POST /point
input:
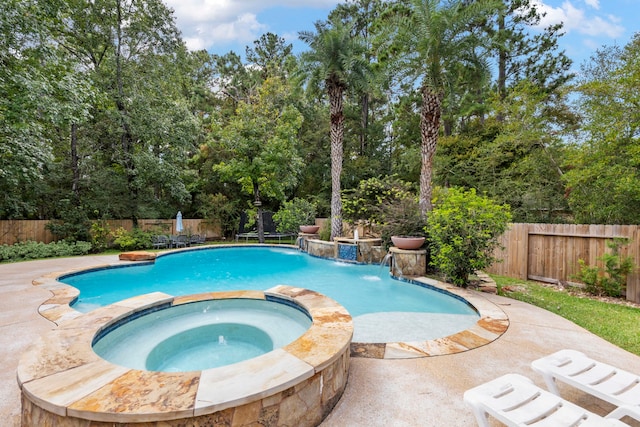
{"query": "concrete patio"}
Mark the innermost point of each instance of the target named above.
(410, 392)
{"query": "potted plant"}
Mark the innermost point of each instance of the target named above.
(408, 242)
(296, 214)
(402, 226)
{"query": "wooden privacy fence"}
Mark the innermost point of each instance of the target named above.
(12, 231)
(550, 252)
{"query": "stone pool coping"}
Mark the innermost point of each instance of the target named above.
(62, 375)
(491, 324)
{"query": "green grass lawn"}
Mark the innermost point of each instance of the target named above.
(616, 323)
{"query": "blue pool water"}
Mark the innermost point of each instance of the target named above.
(364, 290)
(202, 335)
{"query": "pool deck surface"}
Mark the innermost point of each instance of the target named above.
(380, 392)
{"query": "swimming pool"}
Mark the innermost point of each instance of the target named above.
(384, 309)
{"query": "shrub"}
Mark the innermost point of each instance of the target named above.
(294, 213)
(463, 232)
(325, 230)
(101, 237)
(217, 208)
(75, 225)
(37, 250)
(131, 240)
(612, 279)
(363, 203)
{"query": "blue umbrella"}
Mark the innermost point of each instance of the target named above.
(179, 226)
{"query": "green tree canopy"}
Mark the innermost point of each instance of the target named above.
(261, 145)
(603, 175)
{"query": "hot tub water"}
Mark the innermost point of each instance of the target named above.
(202, 335)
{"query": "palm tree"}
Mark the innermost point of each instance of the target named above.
(437, 39)
(335, 63)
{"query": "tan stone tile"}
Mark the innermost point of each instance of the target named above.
(218, 295)
(243, 382)
(469, 339)
(319, 346)
(332, 317)
(58, 313)
(246, 414)
(57, 351)
(143, 301)
(139, 396)
(368, 350)
(497, 326)
(57, 391)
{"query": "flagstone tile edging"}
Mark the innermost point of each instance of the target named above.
(64, 382)
(491, 324)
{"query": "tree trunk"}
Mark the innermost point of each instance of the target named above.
(337, 135)
(258, 204)
(429, 126)
(364, 122)
(75, 168)
(126, 138)
(502, 67)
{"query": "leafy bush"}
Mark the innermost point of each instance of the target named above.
(131, 240)
(219, 209)
(101, 237)
(325, 230)
(463, 232)
(363, 203)
(38, 250)
(612, 279)
(294, 213)
(75, 225)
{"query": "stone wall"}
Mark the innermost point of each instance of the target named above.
(65, 383)
(306, 404)
(321, 248)
(408, 263)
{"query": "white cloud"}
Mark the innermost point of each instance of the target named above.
(206, 23)
(593, 3)
(575, 19)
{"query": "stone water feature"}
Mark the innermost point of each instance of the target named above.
(402, 262)
(364, 251)
(408, 262)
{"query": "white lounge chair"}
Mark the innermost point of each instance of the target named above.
(516, 401)
(604, 381)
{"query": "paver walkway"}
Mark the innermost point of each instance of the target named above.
(390, 393)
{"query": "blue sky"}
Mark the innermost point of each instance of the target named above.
(224, 25)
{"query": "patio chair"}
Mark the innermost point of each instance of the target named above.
(517, 402)
(606, 382)
(194, 239)
(160, 242)
(180, 241)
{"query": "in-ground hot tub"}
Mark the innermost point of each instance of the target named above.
(63, 381)
(201, 334)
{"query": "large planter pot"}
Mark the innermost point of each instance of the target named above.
(309, 229)
(406, 242)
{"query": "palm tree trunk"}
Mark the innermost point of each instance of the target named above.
(429, 127)
(257, 202)
(337, 135)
